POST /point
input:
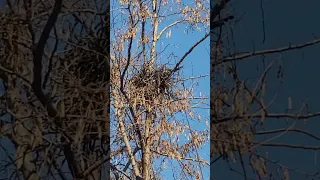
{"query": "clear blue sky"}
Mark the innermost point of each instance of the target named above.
(287, 21)
(197, 63)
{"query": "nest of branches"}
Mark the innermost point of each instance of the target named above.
(91, 64)
(151, 84)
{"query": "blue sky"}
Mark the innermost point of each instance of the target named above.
(197, 63)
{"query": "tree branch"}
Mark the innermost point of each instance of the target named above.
(288, 146)
(184, 158)
(177, 66)
(167, 27)
(268, 115)
(264, 52)
(284, 129)
(37, 60)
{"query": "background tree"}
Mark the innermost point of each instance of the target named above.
(54, 69)
(151, 107)
(256, 117)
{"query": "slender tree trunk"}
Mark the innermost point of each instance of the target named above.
(129, 150)
(146, 162)
(146, 148)
(155, 33)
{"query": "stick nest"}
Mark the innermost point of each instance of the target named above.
(88, 63)
(151, 84)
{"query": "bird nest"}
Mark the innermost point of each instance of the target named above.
(151, 84)
(88, 63)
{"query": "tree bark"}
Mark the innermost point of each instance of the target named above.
(146, 147)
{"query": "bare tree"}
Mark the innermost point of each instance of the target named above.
(241, 106)
(151, 108)
(54, 68)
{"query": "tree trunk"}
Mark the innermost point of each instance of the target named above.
(146, 148)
